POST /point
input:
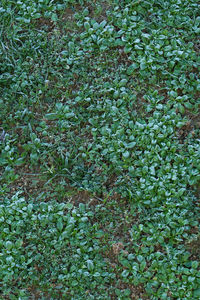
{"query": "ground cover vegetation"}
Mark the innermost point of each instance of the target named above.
(99, 149)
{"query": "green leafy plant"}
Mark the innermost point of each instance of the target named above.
(99, 101)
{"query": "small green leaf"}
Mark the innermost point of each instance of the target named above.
(9, 245)
(126, 154)
(123, 82)
(195, 264)
(19, 243)
(60, 224)
(87, 25)
(197, 293)
(132, 68)
(54, 17)
(140, 258)
(143, 265)
(125, 273)
(90, 265)
(131, 145)
(51, 116)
